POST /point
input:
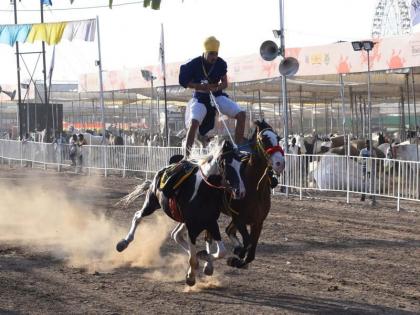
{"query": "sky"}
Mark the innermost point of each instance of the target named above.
(130, 34)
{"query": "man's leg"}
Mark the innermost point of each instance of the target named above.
(192, 130)
(233, 110)
(240, 127)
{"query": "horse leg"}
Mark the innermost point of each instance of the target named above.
(178, 236)
(231, 233)
(239, 249)
(213, 233)
(193, 261)
(150, 205)
(255, 235)
(208, 265)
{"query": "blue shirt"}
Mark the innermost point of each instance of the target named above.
(199, 70)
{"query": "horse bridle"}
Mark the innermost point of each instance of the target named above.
(267, 153)
(220, 167)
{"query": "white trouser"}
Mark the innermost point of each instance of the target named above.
(196, 110)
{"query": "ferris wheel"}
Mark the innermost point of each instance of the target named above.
(392, 17)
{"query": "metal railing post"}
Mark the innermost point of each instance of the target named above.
(125, 159)
(348, 169)
(88, 161)
(105, 160)
(45, 156)
(21, 153)
(398, 188)
(300, 176)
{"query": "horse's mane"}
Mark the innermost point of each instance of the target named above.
(204, 158)
(259, 125)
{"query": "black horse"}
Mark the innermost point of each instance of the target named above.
(197, 202)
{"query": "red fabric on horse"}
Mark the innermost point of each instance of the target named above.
(175, 212)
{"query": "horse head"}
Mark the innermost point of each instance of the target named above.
(226, 165)
(267, 143)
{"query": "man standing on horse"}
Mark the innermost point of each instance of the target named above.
(207, 74)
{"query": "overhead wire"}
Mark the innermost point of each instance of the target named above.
(77, 8)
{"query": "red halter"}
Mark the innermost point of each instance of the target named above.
(272, 150)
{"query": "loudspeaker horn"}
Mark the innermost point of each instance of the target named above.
(269, 50)
(10, 94)
(289, 66)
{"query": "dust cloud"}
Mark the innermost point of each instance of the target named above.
(59, 224)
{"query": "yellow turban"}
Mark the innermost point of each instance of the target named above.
(211, 44)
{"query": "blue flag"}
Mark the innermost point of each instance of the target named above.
(46, 2)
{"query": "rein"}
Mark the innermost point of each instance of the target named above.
(205, 178)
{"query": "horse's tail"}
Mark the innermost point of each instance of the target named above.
(137, 192)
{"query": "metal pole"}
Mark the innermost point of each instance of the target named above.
(348, 169)
(301, 110)
(370, 132)
(151, 120)
(164, 87)
(72, 113)
(415, 113)
(362, 122)
(101, 86)
(343, 109)
(259, 104)
(284, 80)
(326, 117)
(284, 91)
(45, 77)
(402, 116)
(331, 117)
(18, 74)
(408, 104)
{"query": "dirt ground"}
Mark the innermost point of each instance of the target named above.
(57, 255)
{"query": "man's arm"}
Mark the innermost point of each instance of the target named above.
(223, 84)
(202, 87)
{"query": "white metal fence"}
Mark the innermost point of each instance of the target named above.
(365, 176)
(369, 176)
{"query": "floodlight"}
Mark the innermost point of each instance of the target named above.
(147, 75)
(368, 45)
(10, 94)
(276, 33)
(357, 46)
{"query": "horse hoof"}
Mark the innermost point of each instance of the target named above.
(208, 269)
(240, 252)
(122, 245)
(237, 250)
(232, 261)
(190, 281)
(241, 264)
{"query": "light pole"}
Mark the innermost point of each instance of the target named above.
(368, 46)
(148, 76)
(288, 66)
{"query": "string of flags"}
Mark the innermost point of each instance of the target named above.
(51, 33)
(154, 4)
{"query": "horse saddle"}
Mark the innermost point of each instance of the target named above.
(174, 175)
